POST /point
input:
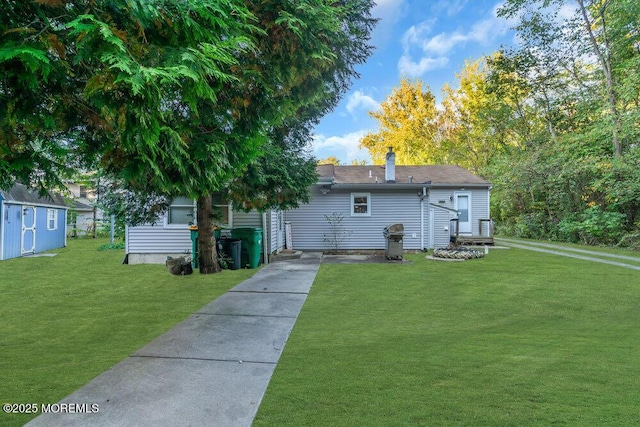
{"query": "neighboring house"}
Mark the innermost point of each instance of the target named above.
(170, 236)
(31, 223)
(368, 198)
(83, 216)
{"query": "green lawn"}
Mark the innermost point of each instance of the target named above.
(68, 318)
(516, 338)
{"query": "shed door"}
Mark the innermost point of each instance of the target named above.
(463, 206)
(28, 230)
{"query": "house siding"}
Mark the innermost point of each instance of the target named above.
(273, 241)
(247, 219)
(153, 243)
(479, 204)
(441, 226)
(310, 229)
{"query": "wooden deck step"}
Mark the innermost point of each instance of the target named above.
(474, 240)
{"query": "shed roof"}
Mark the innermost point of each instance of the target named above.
(426, 174)
(22, 194)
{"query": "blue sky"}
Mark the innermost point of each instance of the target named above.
(425, 39)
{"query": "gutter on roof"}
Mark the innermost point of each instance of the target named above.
(329, 181)
(38, 204)
(487, 185)
(398, 186)
(381, 185)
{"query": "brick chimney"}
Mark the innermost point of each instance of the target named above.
(390, 167)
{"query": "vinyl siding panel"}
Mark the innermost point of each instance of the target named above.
(159, 239)
(442, 223)
(276, 238)
(479, 210)
(11, 232)
(310, 229)
(247, 219)
(50, 239)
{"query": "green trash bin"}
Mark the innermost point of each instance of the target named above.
(193, 231)
(251, 245)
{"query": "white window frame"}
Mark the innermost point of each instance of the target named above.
(168, 224)
(353, 204)
(193, 205)
(229, 208)
(52, 215)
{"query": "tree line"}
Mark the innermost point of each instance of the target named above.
(554, 124)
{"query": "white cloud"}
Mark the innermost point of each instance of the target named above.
(410, 68)
(443, 43)
(359, 101)
(388, 13)
(450, 7)
(385, 8)
(345, 147)
(433, 51)
(416, 34)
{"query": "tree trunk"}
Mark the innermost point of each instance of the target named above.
(604, 56)
(207, 254)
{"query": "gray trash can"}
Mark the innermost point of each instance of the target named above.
(394, 235)
(230, 249)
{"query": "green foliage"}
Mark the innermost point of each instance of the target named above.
(593, 226)
(111, 246)
(574, 173)
(337, 233)
(175, 98)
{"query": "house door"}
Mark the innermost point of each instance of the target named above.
(463, 206)
(28, 241)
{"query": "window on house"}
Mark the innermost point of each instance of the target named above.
(360, 204)
(181, 211)
(52, 219)
(221, 209)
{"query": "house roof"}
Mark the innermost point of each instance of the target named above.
(22, 194)
(426, 174)
(79, 206)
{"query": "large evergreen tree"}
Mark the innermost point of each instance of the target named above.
(176, 98)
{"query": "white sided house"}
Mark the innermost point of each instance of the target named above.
(366, 199)
(350, 207)
(170, 236)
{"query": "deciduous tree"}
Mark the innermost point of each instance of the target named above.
(407, 122)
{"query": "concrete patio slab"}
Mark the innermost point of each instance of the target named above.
(155, 392)
(256, 304)
(223, 337)
(278, 281)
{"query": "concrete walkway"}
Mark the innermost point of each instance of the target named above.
(210, 370)
(584, 254)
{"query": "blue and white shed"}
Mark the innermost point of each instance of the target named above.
(31, 223)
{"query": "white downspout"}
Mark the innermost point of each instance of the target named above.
(424, 195)
(265, 245)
